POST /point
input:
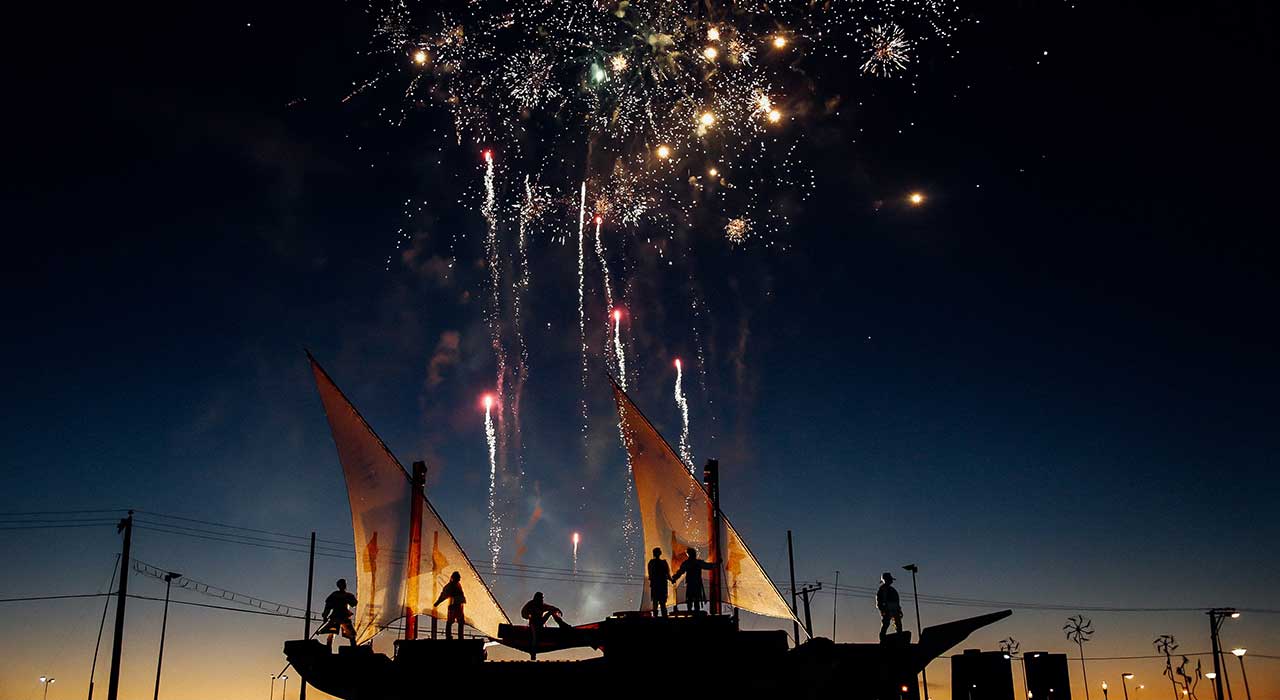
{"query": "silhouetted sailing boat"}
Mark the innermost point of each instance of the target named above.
(642, 654)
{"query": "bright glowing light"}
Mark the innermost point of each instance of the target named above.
(916, 198)
(710, 53)
(617, 315)
(707, 119)
(763, 103)
(488, 401)
(420, 57)
(618, 62)
(779, 41)
(576, 538)
(598, 74)
(1238, 651)
(488, 155)
(1235, 616)
(677, 363)
(713, 34)
(713, 172)
(599, 220)
(664, 151)
(775, 116)
(1211, 675)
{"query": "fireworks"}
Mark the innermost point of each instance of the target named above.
(916, 199)
(737, 230)
(673, 117)
(576, 540)
(889, 51)
(495, 526)
(683, 404)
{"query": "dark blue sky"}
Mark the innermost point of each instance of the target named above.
(1053, 383)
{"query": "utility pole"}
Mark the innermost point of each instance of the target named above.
(915, 590)
(306, 621)
(804, 594)
(791, 559)
(835, 604)
(122, 595)
(164, 622)
(102, 624)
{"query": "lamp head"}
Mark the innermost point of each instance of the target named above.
(1239, 651)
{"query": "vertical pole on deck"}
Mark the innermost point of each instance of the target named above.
(791, 559)
(306, 620)
(711, 481)
(415, 550)
(122, 595)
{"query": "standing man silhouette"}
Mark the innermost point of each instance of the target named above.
(453, 591)
(888, 604)
(693, 566)
(659, 579)
(337, 613)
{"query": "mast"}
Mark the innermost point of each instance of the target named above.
(711, 481)
(415, 550)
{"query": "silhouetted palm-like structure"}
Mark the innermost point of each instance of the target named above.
(1010, 646)
(1079, 630)
(1189, 681)
(1166, 644)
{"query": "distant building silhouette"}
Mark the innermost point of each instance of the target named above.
(982, 675)
(1047, 677)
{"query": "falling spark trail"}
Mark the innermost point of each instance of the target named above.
(582, 309)
(576, 539)
(683, 405)
(617, 348)
(495, 528)
(494, 263)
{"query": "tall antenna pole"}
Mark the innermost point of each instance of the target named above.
(122, 595)
(306, 621)
(415, 550)
(791, 559)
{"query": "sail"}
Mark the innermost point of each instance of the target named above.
(380, 492)
(675, 510)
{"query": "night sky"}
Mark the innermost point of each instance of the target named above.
(1051, 384)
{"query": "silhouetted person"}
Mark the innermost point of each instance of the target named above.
(537, 612)
(453, 591)
(659, 579)
(693, 566)
(888, 604)
(337, 613)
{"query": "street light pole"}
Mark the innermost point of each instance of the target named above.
(1216, 617)
(1104, 690)
(272, 695)
(284, 690)
(164, 623)
(1124, 686)
(1240, 652)
(915, 592)
(46, 681)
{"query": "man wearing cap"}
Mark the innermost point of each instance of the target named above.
(888, 604)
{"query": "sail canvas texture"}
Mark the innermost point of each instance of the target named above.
(380, 492)
(675, 515)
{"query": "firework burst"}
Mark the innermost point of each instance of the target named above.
(889, 51)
